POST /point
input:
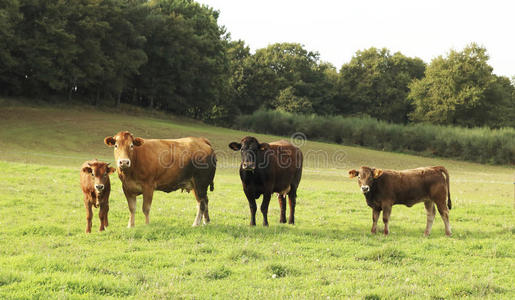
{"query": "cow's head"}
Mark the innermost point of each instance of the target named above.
(366, 177)
(124, 143)
(99, 172)
(251, 152)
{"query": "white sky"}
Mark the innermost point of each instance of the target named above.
(337, 29)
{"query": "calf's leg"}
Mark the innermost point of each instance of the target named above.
(89, 214)
(375, 217)
(387, 209)
(282, 205)
(102, 215)
(431, 212)
(444, 213)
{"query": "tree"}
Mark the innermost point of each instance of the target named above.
(460, 89)
(375, 83)
(283, 71)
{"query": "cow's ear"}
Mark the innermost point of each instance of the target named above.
(87, 170)
(110, 170)
(138, 141)
(378, 173)
(264, 146)
(110, 141)
(353, 173)
(235, 146)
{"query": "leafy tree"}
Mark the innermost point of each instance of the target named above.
(9, 18)
(375, 83)
(460, 89)
(279, 72)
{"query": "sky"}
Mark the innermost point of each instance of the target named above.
(337, 29)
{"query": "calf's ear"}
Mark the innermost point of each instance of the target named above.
(353, 173)
(378, 173)
(110, 141)
(110, 170)
(87, 170)
(235, 146)
(264, 146)
(138, 141)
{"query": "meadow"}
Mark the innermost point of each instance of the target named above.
(329, 253)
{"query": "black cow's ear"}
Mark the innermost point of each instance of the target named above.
(87, 170)
(264, 146)
(353, 173)
(235, 146)
(138, 141)
(378, 173)
(110, 141)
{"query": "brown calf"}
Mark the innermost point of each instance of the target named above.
(95, 184)
(266, 169)
(385, 188)
(146, 165)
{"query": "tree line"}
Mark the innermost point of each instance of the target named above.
(172, 55)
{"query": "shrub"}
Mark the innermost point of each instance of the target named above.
(482, 145)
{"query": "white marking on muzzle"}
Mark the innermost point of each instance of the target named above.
(124, 163)
(365, 188)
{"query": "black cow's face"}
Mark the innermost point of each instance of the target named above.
(123, 143)
(366, 177)
(250, 150)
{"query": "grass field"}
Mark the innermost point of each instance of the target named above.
(329, 253)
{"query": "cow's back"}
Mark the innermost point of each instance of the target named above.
(287, 166)
(169, 164)
(410, 186)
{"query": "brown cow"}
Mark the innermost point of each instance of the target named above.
(267, 169)
(95, 184)
(385, 188)
(145, 165)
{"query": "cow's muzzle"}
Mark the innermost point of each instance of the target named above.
(248, 166)
(99, 187)
(365, 189)
(124, 163)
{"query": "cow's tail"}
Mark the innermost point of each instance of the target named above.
(212, 186)
(444, 171)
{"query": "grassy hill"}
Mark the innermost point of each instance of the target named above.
(329, 253)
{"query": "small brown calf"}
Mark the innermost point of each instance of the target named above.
(95, 184)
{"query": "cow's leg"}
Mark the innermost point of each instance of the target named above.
(89, 214)
(131, 202)
(430, 210)
(102, 215)
(251, 197)
(253, 209)
(201, 206)
(206, 219)
(292, 199)
(375, 217)
(444, 213)
(387, 209)
(282, 205)
(264, 207)
(148, 193)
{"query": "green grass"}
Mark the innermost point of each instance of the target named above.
(329, 253)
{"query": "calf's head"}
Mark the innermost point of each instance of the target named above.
(252, 152)
(366, 177)
(99, 172)
(124, 143)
